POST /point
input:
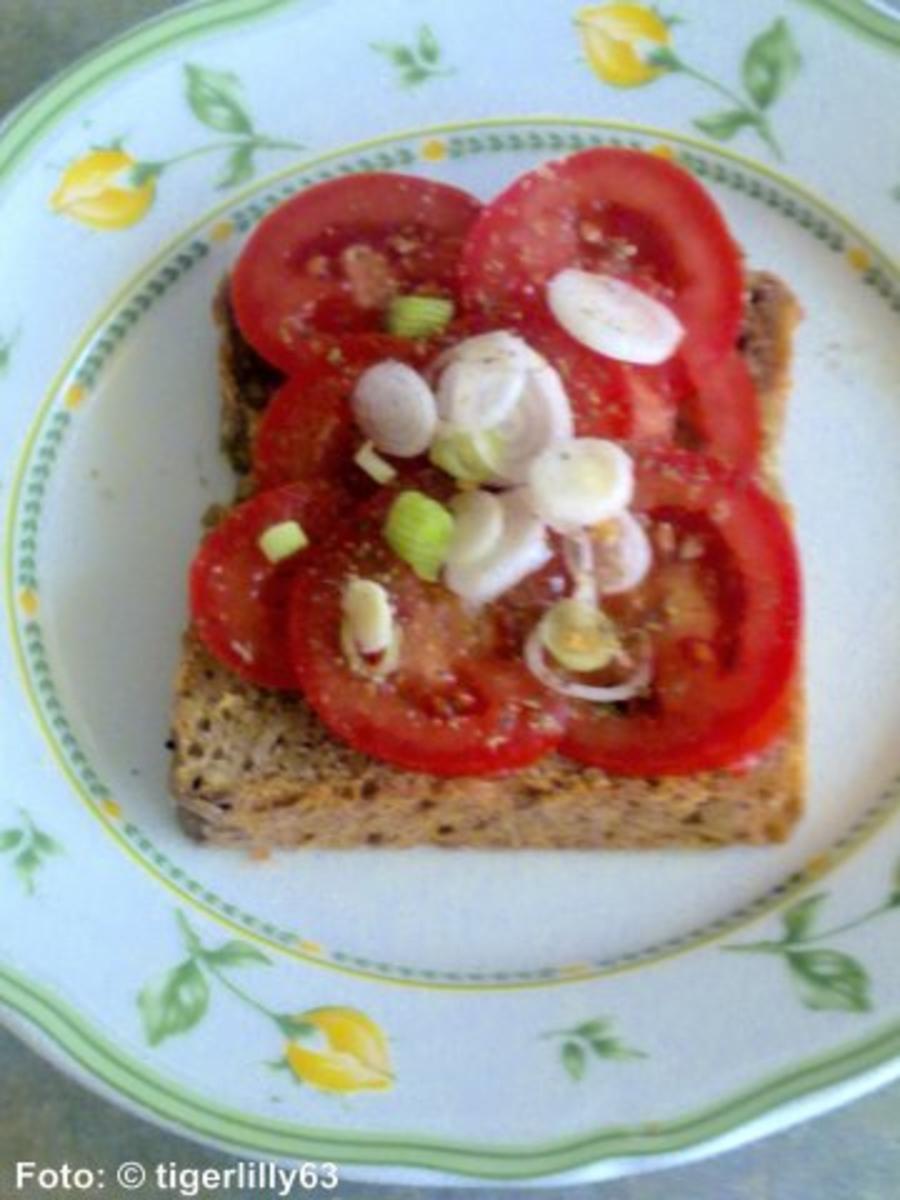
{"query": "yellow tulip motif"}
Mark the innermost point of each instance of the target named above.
(630, 45)
(108, 188)
(333, 1049)
(619, 40)
(354, 1055)
(99, 190)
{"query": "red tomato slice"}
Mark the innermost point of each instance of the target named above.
(721, 611)
(348, 354)
(460, 702)
(331, 258)
(719, 411)
(621, 212)
(712, 408)
(307, 430)
(609, 399)
(238, 599)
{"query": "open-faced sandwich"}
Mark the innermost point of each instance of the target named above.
(509, 563)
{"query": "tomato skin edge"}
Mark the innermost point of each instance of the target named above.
(732, 737)
(234, 592)
(711, 307)
(371, 204)
(513, 725)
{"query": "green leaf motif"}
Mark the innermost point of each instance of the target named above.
(214, 100)
(239, 168)
(724, 125)
(574, 1060)
(594, 1037)
(7, 345)
(612, 1048)
(44, 843)
(191, 940)
(771, 62)
(294, 1027)
(30, 847)
(800, 918)
(235, 954)
(176, 1004)
(144, 172)
(414, 75)
(589, 1029)
(26, 863)
(894, 898)
(417, 62)
(398, 55)
(829, 980)
(671, 21)
(9, 839)
(429, 50)
(664, 58)
(402, 57)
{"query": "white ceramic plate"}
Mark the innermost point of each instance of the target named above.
(503, 1016)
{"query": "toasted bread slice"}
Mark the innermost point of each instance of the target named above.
(258, 768)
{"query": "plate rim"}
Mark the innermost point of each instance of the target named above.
(48, 104)
(817, 1085)
(25, 630)
(41, 112)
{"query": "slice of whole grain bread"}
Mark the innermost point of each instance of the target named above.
(258, 768)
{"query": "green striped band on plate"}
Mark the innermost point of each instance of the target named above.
(159, 1096)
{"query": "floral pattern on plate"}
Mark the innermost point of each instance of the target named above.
(631, 45)
(333, 1049)
(109, 188)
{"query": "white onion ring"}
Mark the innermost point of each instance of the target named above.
(395, 408)
(613, 566)
(542, 418)
(613, 317)
(578, 482)
(521, 550)
(478, 527)
(536, 661)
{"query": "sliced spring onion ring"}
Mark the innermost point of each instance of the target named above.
(580, 481)
(468, 457)
(497, 350)
(497, 384)
(419, 316)
(418, 530)
(613, 317)
(578, 554)
(503, 454)
(282, 541)
(542, 418)
(536, 661)
(369, 460)
(481, 379)
(521, 550)
(473, 395)
(372, 667)
(368, 614)
(395, 408)
(580, 636)
(624, 554)
(478, 527)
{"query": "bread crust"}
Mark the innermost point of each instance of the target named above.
(257, 768)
